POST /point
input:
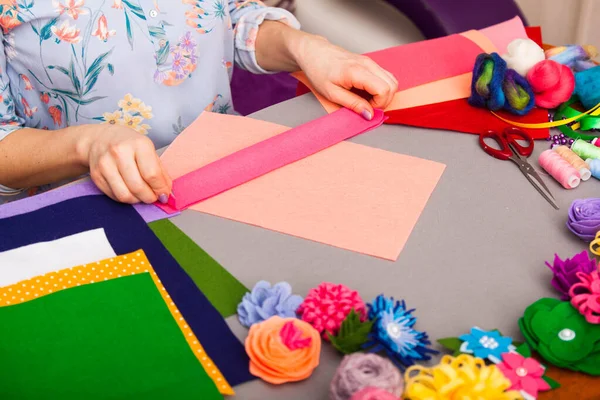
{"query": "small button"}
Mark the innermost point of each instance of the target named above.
(153, 13)
(566, 335)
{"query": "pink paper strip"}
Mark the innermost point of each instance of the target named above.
(266, 156)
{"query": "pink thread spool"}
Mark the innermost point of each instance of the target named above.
(596, 142)
(560, 169)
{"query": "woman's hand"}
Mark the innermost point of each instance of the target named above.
(333, 72)
(123, 164)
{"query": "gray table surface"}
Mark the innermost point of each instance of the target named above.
(475, 257)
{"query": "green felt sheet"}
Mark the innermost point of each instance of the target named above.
(110, 340)
(221, 288)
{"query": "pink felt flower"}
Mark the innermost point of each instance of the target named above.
(327, 305)
(585, 296)
(525, 374)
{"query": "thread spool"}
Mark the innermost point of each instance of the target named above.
(560, 169)
(596, 142)
(594, 167)
(585, 150)
(575, 161)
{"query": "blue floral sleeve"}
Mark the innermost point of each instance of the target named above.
(247, 17)
(9, 121)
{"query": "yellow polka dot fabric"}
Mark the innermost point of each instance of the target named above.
(113, 268)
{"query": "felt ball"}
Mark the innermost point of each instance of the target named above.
(358, 371)
(522, 55)
(552, 83)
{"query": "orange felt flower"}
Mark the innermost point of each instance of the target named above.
(283, 350)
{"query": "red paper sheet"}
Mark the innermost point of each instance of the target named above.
(266, 156)
(458, 115)
(535, 33)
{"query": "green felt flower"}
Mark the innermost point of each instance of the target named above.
(562, 336)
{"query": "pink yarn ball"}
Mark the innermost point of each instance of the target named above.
(326, 306)
(552, 83)
(373, 393)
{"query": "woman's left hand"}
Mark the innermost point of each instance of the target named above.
(333, 72)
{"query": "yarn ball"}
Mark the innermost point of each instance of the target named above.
(265, 301)
(565, 272)
(552, 83)
(587, 87)
(585, 296)
(358, 371)
(486, 85)
(373, 393)
(519, 95)
(283, 350)
(574, 56)
(326, 306)
(584, 218)
(522, 55)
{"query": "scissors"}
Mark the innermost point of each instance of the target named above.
(511, 149)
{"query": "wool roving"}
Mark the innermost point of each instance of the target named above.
(574, 56)
(486, 86)
(587, 87)
(552, 83)
(522, 55)
(519, 95)
(358, 371)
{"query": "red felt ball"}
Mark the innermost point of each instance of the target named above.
(552, 83)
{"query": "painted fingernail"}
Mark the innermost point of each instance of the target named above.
(163, 198)
(366, 115)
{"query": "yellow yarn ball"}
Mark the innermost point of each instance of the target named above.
(458, 378)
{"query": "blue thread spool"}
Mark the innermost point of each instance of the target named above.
(594, 165)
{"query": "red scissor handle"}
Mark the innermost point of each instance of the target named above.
(512, 135)
(507, 141)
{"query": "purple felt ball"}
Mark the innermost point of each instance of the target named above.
(584, 218)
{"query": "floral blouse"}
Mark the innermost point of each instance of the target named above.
(151, 65)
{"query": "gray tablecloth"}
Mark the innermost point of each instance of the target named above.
(475, 257)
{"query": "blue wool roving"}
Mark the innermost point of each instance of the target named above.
(587, 86)
(486, 86)
(519, 95)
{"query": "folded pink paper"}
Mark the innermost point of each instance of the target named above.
(349, 196)
(266, 156)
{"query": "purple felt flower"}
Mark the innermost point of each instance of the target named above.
(266, 301)
(584, 218)
(565, 272)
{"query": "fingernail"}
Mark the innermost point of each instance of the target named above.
(366, 115)
(163, 198)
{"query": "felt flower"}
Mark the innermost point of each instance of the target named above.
(463, 377)
(525, 374)
(283, 350)
(393, 332)
(359, 371)
(565, 272)
(266, 301)
(584, 218)
(561, 335)
(373, 393)
(327, 305)
(484, 344)
(585, 296)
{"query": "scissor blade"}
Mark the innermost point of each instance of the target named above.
(539, 185)
(538, 178)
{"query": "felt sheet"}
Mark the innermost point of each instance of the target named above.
(103, 270)
(114, 339)
(505, 32)
(459, 116)
(127, 232)
(266, 156)
(79, 189)
(39, 258)
(349, 196)
(221, 288)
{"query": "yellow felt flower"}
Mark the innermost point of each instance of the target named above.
(112, 118)
(463, 377)
(130, 104)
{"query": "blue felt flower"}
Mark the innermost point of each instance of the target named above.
(393, 332)
(265, 301)
(486, 344)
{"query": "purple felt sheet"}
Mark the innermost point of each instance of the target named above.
(148, 212)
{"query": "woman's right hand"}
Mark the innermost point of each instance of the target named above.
(123, 164)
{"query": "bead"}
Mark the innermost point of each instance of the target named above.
(571, 141)
(549, 138)
(555, 137)
(566, 335)
(563, 141)
(562, 135)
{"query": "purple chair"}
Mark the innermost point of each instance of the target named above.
(434, 18)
